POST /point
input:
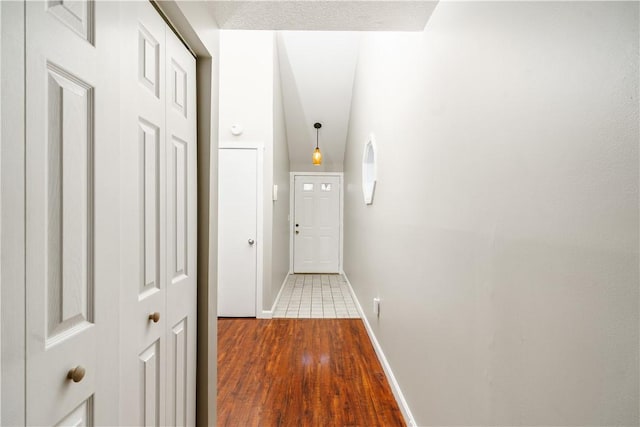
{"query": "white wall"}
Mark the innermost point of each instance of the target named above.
(280, 224)
(246, 85)
(317, 69)
(503, 238)
(248, 96)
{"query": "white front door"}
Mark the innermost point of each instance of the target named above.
(237, 232)
(158, 239)
(316, 239)
(72, 263)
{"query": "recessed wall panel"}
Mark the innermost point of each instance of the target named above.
(78, 15)
(325, 248)
(149, 140)
(324, 210)
(82, 416)
(150, 386)
(179, 88)
(307, 252)
(180, 207)
(148, 61)
(309, 212)
(179, 337)
(69, 228)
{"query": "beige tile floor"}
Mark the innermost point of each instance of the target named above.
(316, 296)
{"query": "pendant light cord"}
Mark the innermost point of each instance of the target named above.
(317, 132)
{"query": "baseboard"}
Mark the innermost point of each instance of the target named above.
(266, 314)
(275, 302)
(395, 387)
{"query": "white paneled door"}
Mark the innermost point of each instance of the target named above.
(237, 232)
(144, 218)
(316, 240)
(158, 215)
(182, 219)
(72, 264)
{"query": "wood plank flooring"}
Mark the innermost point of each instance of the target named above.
(301, 372)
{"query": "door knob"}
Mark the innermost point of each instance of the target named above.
(251, 242)
(154, 317)
(76, 374)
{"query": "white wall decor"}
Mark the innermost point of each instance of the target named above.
(369, 159)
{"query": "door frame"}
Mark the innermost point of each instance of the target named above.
(259, 147)
(292, 211)
(12, 214)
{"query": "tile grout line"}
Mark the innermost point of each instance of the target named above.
(304, 296)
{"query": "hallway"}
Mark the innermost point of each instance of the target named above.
(463, 177)
(303, 372)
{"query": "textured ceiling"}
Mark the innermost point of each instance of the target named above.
(319, 15)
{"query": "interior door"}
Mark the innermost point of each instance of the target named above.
(316, 239)
(72, 212)
(143, 217)
(158, 250)
(180, 143)
(237, 228)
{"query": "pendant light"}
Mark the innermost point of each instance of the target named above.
(317, 155)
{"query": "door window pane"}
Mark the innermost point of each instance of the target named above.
(307, 187)
(325, 187)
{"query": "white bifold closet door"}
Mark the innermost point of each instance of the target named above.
(72, 208)
(158, 215)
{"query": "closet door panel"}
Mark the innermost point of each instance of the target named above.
(181, 230)
(143, 379)
(158, 239)
(72, 212)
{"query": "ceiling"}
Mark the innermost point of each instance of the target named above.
(320, 15)
(318, 49)
(316, 72)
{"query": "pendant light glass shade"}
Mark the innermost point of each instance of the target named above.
(316, 159)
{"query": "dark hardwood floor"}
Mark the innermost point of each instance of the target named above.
(301, 372)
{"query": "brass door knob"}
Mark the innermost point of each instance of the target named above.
(154, 317)
(76, 374)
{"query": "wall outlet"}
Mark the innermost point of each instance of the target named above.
(376, 306)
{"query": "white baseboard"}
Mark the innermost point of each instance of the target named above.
(266, 314)
(395, 387)
(275, 302)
